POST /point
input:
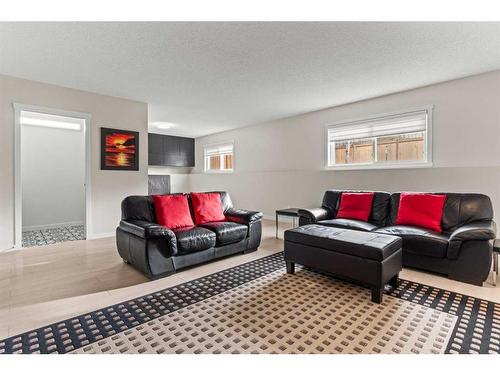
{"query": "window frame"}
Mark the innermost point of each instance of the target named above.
(384, 165)
(224, 171)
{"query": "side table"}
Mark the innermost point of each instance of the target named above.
(290, 212)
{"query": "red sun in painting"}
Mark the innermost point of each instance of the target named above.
(120, 150)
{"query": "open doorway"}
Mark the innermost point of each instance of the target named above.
(52, 178)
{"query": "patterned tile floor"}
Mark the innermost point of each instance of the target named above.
(53, 235)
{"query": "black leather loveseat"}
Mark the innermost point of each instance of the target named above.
(462, 251)
(159, 251)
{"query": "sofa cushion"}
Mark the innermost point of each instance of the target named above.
(172, 211)
(459, 209)
(348, 224)
(421, 210)
(227, 232)
(207, 207)
(225, 199)
(357, 206)
(419, 240)
(192, 239)
(138, 207)
(464, 208)
(379, 207)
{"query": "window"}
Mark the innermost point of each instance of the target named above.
(385, 141)
(219, 158)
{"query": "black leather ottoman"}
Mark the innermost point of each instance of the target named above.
(369, 258)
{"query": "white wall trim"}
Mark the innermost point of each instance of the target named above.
(405, 165)
(51, 226)
(18, 221)
(101, 235)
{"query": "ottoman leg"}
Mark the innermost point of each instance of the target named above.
(377, 294)
(290, 267)
(394, 282)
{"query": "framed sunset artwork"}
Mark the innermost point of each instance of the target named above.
(119, 150)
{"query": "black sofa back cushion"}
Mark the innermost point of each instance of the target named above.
(459, 209)
(138, 207)
(141, 207)
(331, 201)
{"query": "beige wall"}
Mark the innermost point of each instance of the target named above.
(281, 163)
(108, 188)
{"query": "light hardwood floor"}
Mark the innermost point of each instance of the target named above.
(45, 284)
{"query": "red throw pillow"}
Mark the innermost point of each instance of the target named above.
(422, 210)
(207, 207)
(172, 211)
(356, 206)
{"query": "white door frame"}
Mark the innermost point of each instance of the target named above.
(18, 197)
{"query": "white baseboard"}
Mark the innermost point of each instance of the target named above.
(100, 235)
(51, 226)
(8, 248)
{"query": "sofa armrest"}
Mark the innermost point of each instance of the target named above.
(313, 215)
(243, 216)
(146, 229)
(476, 231)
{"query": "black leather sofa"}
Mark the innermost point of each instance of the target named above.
(159, 251)
(462, 251)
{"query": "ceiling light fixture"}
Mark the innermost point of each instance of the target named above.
(162, 125)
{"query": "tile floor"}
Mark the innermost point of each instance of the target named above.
(44, 284)
(53, 235)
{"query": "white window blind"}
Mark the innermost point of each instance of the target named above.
(397, 124)
(219, 149)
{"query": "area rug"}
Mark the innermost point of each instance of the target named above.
(258, 308)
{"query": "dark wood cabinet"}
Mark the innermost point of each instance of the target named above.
(171, 150)
(186, 151)
(155, 150)
(167, 150)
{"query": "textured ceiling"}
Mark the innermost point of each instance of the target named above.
(211, 77)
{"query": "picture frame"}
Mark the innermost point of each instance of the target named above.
(119, 150)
